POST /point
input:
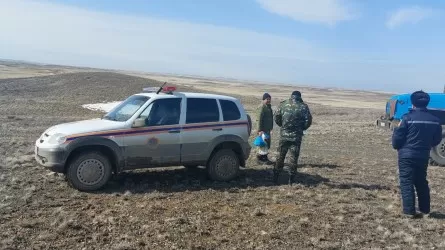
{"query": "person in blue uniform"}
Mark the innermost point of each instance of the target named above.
(417, 133)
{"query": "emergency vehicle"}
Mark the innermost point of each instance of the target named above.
(158, 127)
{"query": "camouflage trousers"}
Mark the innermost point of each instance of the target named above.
(283, 148)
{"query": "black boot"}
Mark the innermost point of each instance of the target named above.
(276, 174)
(260, 159)
(291, 179)
(267, 161)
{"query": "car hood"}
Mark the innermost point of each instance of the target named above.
(85, 126)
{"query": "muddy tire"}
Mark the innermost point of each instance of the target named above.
(224, 165)
(89, 171)
(437, 153)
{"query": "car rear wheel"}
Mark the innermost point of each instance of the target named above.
(89, 171)
(224, 165)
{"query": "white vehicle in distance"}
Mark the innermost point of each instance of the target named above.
(150, 129)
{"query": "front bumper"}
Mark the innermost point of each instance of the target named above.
(383, 123)
(53, 159)
(387, 124)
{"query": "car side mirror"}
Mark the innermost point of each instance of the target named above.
(139, 122)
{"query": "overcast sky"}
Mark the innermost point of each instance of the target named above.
(333, 43)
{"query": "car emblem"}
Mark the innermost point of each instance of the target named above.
(153, 142)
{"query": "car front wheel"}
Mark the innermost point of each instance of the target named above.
(224, 165)
(89, 171)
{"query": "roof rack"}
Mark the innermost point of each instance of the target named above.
(150, 89)
(167, 89)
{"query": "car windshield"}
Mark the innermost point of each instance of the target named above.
(127, 108)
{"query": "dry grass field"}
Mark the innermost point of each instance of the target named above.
(347, 195)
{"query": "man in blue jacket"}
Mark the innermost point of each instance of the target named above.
(417, 133)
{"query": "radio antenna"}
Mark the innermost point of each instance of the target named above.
(159, 90)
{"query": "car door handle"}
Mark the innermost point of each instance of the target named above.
(217, 129)
(174, 131)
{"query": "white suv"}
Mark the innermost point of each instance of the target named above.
(150, 129)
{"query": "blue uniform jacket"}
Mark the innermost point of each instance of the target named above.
(418, 132)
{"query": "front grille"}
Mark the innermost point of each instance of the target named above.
(392, 108)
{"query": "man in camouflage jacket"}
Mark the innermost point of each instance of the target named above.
(294, 117)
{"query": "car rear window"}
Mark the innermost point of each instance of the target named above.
(230, 110)
(201, 110)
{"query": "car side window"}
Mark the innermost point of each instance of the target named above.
(230, 110)
(200, 110)
(146, 112)
(163, 112)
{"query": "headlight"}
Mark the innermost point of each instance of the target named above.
(57, 139)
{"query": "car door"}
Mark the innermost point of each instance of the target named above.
(202, 125)
(158, 142)
(233, 122)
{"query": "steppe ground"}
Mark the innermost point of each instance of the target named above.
(347, 195)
